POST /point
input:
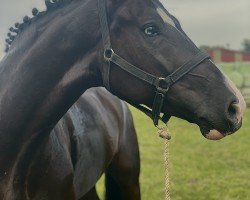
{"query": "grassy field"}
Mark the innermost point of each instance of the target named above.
(240, 67)
(240, 74)
(200, 169)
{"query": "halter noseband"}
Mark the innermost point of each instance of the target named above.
(162, 85)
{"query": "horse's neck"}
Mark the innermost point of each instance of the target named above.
(38, 86)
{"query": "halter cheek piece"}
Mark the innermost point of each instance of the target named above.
(161, 85)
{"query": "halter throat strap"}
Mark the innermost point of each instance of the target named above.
(161, 85)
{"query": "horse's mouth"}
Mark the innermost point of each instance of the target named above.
(211, 133)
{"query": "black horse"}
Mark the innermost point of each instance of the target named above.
(59, 54)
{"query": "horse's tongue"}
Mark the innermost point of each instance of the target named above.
(214, 135)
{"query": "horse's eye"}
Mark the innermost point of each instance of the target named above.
(151, 30)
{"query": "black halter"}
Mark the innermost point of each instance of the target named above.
(161, 85)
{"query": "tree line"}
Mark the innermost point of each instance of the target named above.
(246, 45)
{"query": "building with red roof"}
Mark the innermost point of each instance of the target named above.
(219, 54)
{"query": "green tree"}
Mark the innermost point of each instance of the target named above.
(246, 44)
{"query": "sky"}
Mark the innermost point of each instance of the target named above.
(213, 22)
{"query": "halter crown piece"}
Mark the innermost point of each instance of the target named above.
(161, 85)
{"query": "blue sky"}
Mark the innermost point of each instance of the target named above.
(213, 22)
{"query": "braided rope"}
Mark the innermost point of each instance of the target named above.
(166, 166)
(164, 133)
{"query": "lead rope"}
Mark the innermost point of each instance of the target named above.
(164, 133)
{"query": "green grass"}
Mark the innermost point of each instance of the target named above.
(239, 73)
(200, 169)
(241, 67)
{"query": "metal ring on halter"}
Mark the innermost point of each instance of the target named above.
(162, 86)
(108, 54)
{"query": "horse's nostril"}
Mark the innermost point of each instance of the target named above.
(232, 110)
(234, 114)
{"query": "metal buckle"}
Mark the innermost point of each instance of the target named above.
(159, 84)
(108, 54)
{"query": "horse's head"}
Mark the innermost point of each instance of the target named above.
(145, 34)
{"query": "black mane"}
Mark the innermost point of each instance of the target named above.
(19, 27)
